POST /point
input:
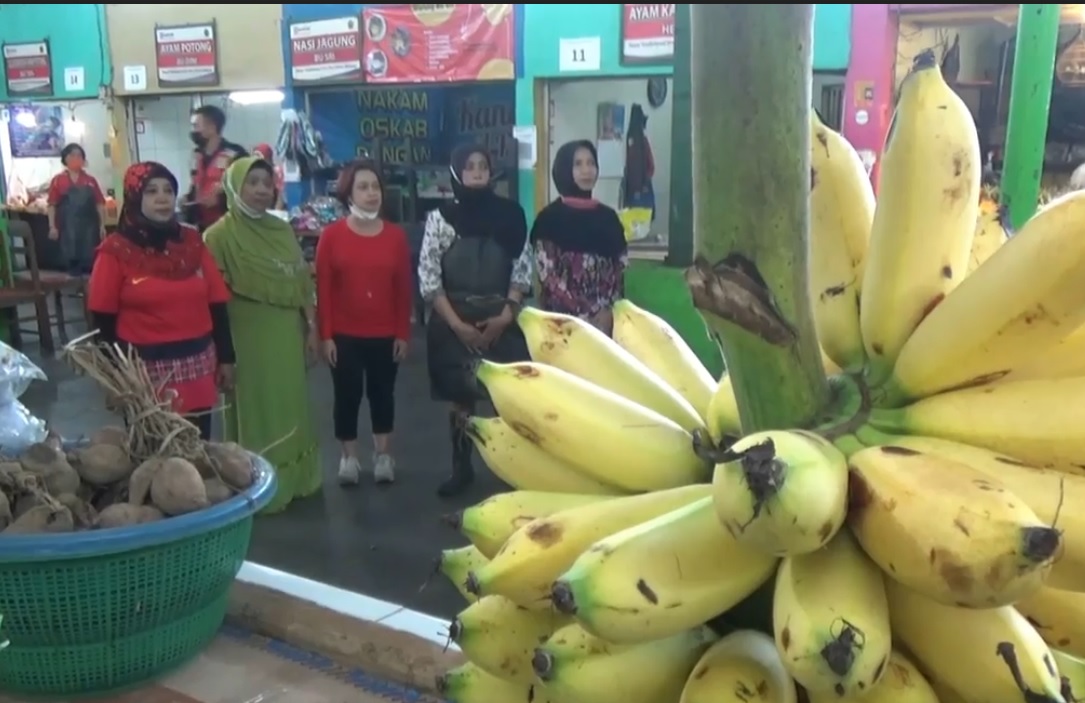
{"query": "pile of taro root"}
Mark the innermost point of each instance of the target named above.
(98, 485)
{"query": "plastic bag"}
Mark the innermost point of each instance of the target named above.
(17, 372)
(636, 221)
(19, 428)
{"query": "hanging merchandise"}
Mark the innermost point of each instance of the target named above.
(300, 145)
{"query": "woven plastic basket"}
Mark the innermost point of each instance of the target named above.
(95, 612)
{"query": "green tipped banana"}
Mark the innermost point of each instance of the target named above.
(470, 684)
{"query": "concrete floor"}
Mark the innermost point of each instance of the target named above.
(382, 542)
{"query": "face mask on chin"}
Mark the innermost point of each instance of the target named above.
(198, 139)
(361, 214)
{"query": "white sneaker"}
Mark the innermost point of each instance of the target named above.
(384, 468)
(350, 471)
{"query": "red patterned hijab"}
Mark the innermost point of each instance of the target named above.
(161, 249)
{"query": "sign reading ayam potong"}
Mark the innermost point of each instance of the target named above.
(647, 33)
(186, 55)
(28, 69)
(326, 50)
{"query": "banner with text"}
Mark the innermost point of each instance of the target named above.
(446, 43)
(186, 55)
(326, 50)
(28, 69)
(417, 126)
(647, 33)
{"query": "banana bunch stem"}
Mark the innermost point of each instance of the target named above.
(749, 279)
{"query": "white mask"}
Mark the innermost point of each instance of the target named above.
(240, 205)
(363, 214)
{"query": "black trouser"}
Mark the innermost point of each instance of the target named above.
(364, 368)
(202, 420)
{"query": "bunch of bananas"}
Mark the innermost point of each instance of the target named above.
(924, 545)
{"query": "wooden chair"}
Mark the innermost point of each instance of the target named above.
(41, 284)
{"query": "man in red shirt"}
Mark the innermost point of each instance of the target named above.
(206, 201)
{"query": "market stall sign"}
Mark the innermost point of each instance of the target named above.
(446, 43)
(326, 50)
(28, 69)
(186, 55)
(647, 34)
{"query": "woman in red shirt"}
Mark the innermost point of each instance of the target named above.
(363, 283)
(76, 211)
(155, 287)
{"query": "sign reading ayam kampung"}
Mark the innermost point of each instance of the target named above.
(326, 50)
(28, 69)
(647, 33)
(186, 55)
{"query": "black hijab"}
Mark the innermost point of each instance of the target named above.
(479, 212)
(589, 228)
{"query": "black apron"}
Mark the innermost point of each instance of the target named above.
(79, 227)
(475, 273)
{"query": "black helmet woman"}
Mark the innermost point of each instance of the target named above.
(474, 268)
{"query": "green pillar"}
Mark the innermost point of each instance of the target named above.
(1030, 102)
(5, 253)
(680, 218)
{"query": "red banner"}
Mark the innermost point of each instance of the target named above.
(28, 69)
(647, 33)
(326, 50)
(186, 55)
(447, 43)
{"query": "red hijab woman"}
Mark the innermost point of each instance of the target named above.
(156, 288)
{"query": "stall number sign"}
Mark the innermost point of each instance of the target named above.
(326, 50)
(186, 56)
(28, 69)
(580, 54)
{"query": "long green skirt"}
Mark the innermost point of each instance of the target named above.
(268, 410)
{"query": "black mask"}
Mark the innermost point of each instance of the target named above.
(198, 139)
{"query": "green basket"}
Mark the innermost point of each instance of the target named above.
(92, 613)
(106, 668)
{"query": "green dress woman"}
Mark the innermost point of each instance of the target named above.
(267, 410)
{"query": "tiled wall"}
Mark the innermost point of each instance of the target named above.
(94, 118)
(162, 125)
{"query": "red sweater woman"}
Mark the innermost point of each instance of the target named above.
(156, 288)
(363, 284)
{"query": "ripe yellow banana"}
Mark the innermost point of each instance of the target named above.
(1037, 421)
(1048, 493)
(991, 654)
(653, 342)
(1023, 299)
(1072, 672)
(489, 523)
(990, 235)
(902, 682)
(1064, 359)
(500, 637)
(455, 564)
(1059, 617)
(723, 421)
(945, 529)
(577, 346)
(540, 551)
(653, 580)
(743, 667)
(573, 668)
(526, 466)
(786, 493)
(602, 434)
(831, 618)
(945, 693)
(928, 203)
(470, 684)
(841, 214)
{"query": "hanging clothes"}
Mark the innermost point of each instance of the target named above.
(640, 166)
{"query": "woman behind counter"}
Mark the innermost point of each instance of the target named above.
(267, 410)
(364, 295)
(580, 247)
(156, 288)
(76, 211)
(475, 268)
